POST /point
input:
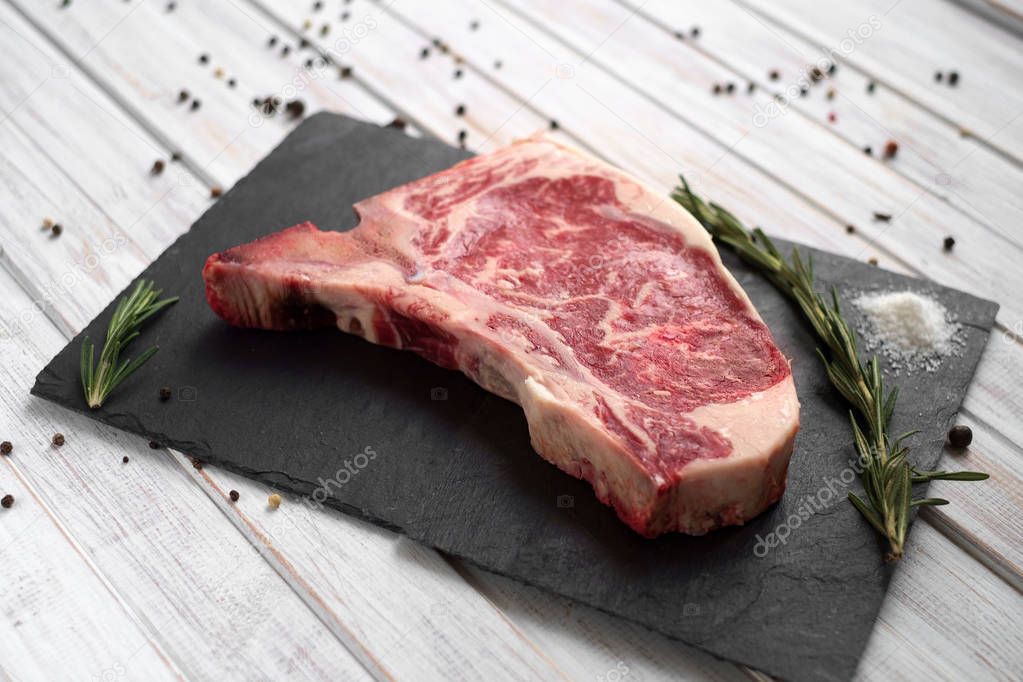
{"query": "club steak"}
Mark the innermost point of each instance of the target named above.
(559, 282)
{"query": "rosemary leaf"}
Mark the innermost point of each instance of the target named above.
(98, 380)
(887, 475)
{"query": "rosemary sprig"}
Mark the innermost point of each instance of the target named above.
(887, 474)
(131, 312)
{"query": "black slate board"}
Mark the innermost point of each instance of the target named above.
(452, 464)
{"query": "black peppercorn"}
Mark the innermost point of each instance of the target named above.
(949, 243)
(953, 77)
(6, 448)
(124, 460)
(58, 439)
(204, 58)
(153, 445)
(157, 167)
(960, 436)
(460, 110)
(7, 501)
(234, 495)
(165, 393)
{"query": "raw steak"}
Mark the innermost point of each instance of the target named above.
(559, 282)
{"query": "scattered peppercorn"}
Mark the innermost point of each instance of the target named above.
(175, 156)
(325, 29)
(460, 110)
(153, 445)
(868, 150)
(424, 53)
(165, 393)
(286, 50)
(6, 448)
(953, 78)
(462, 134)
(58, 439)
(204, 58)
(295, 108)
(849, 229)
(960, 436)
(473, 25)
(882, 217)
(234, 495)
(272, 42)
(891, 148)
(309, 63)
(695, 32)
(157, 167)
(803, 91)
(274, 501)
(216, 191)
(870, 87)
(832, 68)
(680, 35)
(303, 43)
(183, 95)
(938, 75)
(458, 73)
(124, 460)
(949, 243)
(498, 64)
(730, 88)
(56, 229)
(197, 464)
(345, 72)
(345, 16)
(750, 87)
(398, 123)
(317, 6)
(196, 104)
(554, 124)
(7, 501)
(816, 74)
(231, 82)
(773, 74)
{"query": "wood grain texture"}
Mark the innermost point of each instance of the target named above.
(218, 148)
(933, 153)
(917, 39)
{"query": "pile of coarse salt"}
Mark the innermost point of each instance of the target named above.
(913, 331)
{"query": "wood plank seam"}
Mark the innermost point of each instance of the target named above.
(984, 140)
(991, 225)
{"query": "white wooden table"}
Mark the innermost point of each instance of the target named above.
(145, 570)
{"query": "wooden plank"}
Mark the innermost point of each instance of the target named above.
(389, 601)
(932, 152)
(918, 38)
(939, 620)
(52, 591)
